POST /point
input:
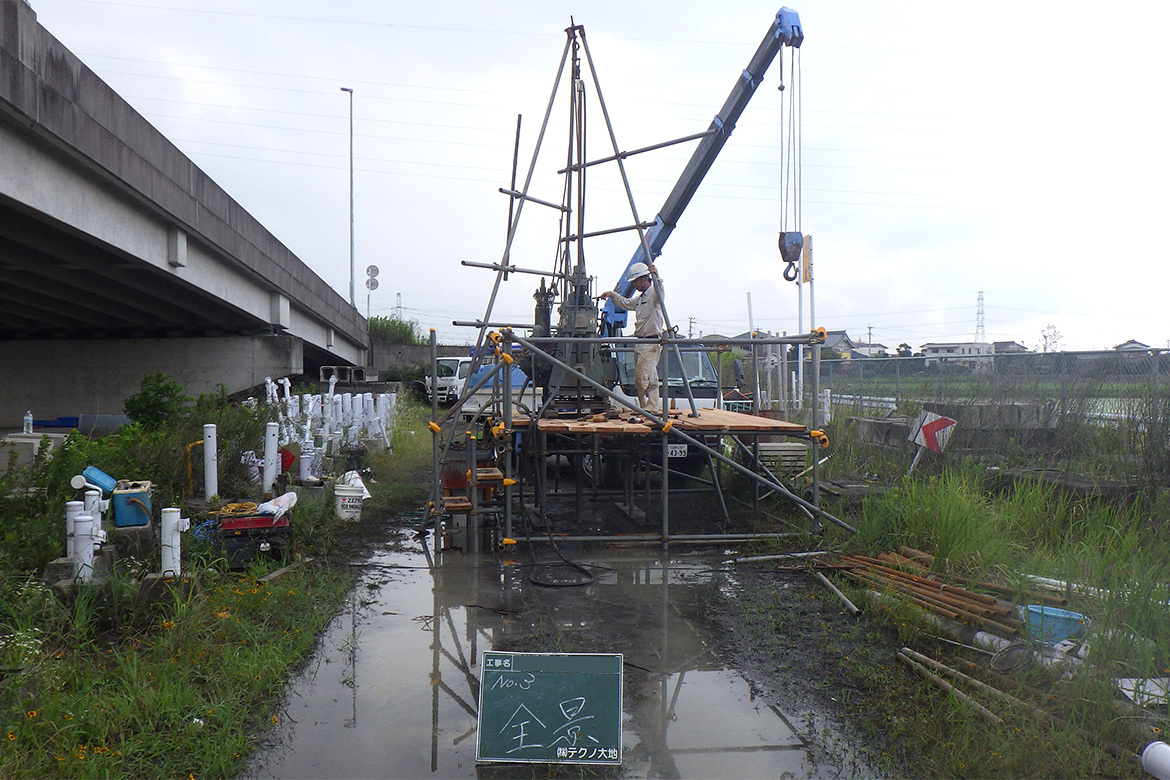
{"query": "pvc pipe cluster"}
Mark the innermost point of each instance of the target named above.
(334, 419)
(83, 532)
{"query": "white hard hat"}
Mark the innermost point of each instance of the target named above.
(636, 271)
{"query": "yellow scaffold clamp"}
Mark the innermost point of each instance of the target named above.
(666, 427)
(507, 357)
(499, 431)
(434, 427)
(820, 437)
(819, 335)
(494, 337)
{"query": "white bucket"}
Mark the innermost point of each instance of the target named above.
(1156, 760)
(348, 504)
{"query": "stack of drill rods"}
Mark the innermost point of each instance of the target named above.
(906, 654)
(939, 682)
(908, 556)
(946, 600)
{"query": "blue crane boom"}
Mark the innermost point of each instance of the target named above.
(785, 31)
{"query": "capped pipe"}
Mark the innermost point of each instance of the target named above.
(172, 526)
(72, 510)
(83, 540)
(271, 432)
(210, 462)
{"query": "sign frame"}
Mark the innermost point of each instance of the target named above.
(550, 708)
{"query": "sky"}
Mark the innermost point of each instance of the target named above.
(943, 151)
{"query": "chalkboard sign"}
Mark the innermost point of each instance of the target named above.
(560, 708)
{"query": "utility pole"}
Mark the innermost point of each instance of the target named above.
(352, 298)
(690, 327)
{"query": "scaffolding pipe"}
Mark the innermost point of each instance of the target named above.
(632, 152)
(685, 437)
(435, 512)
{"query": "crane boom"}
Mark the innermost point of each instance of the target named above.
(785, 31)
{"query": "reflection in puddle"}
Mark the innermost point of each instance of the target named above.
(393, 688)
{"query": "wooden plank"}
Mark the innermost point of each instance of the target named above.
(456, 504)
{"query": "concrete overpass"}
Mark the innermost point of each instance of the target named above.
(119, 257)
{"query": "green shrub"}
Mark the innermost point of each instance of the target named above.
(160, 399)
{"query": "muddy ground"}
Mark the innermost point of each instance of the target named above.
(801, 652)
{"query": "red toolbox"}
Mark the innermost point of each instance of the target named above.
(244, 537)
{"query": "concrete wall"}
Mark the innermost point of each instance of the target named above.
(96, 377)
(384, 356)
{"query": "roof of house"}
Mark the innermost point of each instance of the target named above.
(1132, 344)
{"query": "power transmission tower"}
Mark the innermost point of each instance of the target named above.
(398, 307)
(980, 331)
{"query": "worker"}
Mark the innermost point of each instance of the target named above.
(649, 325)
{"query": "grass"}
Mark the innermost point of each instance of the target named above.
(106, 684)
(1033, 529)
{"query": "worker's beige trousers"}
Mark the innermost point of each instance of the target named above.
(646, 375)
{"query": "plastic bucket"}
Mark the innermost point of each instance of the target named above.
(348, 501)
(96, 476)
(1053, 624)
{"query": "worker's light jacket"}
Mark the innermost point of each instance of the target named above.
(647, 311)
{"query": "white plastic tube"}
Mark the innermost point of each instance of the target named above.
(210, 462)
(271, 433)
(95, 506)
(172, 527)
(72, 510)
(83, 541)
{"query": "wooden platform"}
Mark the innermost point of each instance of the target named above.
(708, 421)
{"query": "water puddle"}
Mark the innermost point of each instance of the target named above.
(394, 686)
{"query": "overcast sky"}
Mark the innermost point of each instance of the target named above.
(1018, 150)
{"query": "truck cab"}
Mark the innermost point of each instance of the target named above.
(696, 367)
(451, 374)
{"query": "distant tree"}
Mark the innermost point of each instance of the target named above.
(395, 331)
(1050, 339)
(905, 350)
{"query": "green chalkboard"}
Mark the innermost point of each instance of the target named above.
(561, 708)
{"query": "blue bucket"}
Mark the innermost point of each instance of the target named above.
(1053, 624)
(95, 476)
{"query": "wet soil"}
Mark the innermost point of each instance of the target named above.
(745, 670)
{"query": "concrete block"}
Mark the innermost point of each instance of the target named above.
(137, 541)
(156, 589)
(19, 449)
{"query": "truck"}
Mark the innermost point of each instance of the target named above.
(451, 372)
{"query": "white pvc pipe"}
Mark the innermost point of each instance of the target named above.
(210, 462)
(172, 526)
(83, 536)
(347, 409)
(306, 459)
(72, 510)
(271, 432)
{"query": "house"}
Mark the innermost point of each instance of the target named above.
(1007, 348)
(839, 340)
(973, 354)
(1132, 346)
(871, 350)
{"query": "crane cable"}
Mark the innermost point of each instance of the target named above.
(790, 158)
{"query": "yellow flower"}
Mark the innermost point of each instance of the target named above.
(11, 736)
(31, 714)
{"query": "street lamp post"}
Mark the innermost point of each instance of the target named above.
(352, 298)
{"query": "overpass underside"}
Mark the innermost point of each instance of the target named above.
(119, 257)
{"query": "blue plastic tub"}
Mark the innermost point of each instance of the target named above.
(1053, 624)
(132, 504)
